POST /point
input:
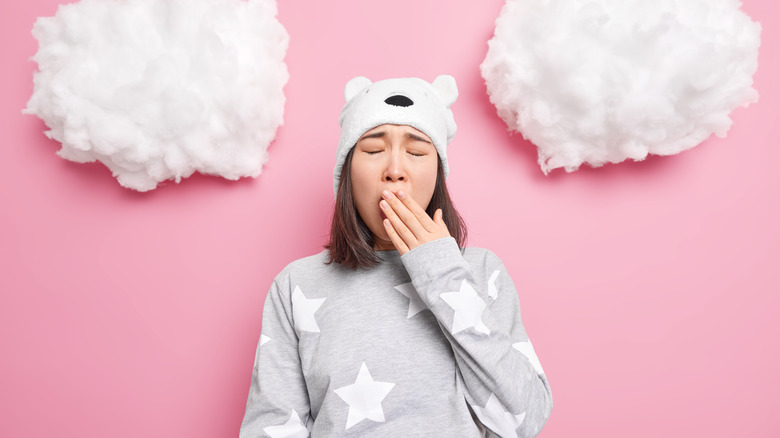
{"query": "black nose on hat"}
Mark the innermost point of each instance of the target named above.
(399, 100)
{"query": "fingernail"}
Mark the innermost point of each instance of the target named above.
(387, 194)
(384, 204)
(401, 194)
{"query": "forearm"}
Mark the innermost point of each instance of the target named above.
(478, 311)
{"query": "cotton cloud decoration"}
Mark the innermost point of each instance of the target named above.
(158, 89)
(602, 81)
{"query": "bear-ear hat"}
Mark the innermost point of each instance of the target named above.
(399, 101)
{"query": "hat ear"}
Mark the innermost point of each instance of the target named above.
(354, 86)
(446, 89)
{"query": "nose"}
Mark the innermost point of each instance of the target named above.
(395, 170)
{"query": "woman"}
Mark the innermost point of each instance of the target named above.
(394, 330)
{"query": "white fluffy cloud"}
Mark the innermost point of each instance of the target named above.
(598, 81)
(159, 89)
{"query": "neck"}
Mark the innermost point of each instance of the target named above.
(383, 245)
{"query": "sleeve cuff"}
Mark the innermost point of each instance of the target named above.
(424, 261)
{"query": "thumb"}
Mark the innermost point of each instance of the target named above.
(438, 217)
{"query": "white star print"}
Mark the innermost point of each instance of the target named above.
(364, 398)
(527, 349)
(500, 421)
(416, 305)
(293, 428)
(263, 340)
(492, 290)
(303, 311)
(468, 308)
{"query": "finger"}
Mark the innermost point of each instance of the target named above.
(395, 238)
(417, 211)
(398, 224)
(407, 216)
(438, 218)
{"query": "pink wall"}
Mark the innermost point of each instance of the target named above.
(650, 289)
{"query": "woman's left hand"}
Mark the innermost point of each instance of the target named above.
(407, 224)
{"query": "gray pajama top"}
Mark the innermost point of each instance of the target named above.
(427, 344)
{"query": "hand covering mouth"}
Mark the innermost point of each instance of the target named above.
(381, 212)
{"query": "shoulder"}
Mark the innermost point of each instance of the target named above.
(311, 265)
(310, 271)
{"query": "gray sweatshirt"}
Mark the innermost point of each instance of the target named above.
(426, 344)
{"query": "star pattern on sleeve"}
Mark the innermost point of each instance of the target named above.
(492, 289)
(364, 398)
(263, 340)
(416, 304)
(527, 349)
(303, 311)
(468, 308)
(293, 428)
(494, 416)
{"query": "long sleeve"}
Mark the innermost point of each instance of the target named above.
(478, 309)
(278, 403)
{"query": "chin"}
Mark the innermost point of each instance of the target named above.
(379, 232)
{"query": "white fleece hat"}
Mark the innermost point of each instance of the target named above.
(401, 101)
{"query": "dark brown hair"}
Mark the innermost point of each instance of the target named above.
(352, 242)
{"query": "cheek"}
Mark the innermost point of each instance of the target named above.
(362, 173)
(363, 203)
(425, 186)
(364, 193)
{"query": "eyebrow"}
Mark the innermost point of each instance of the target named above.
(381, 134)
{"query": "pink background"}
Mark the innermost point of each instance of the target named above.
(650, 289)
